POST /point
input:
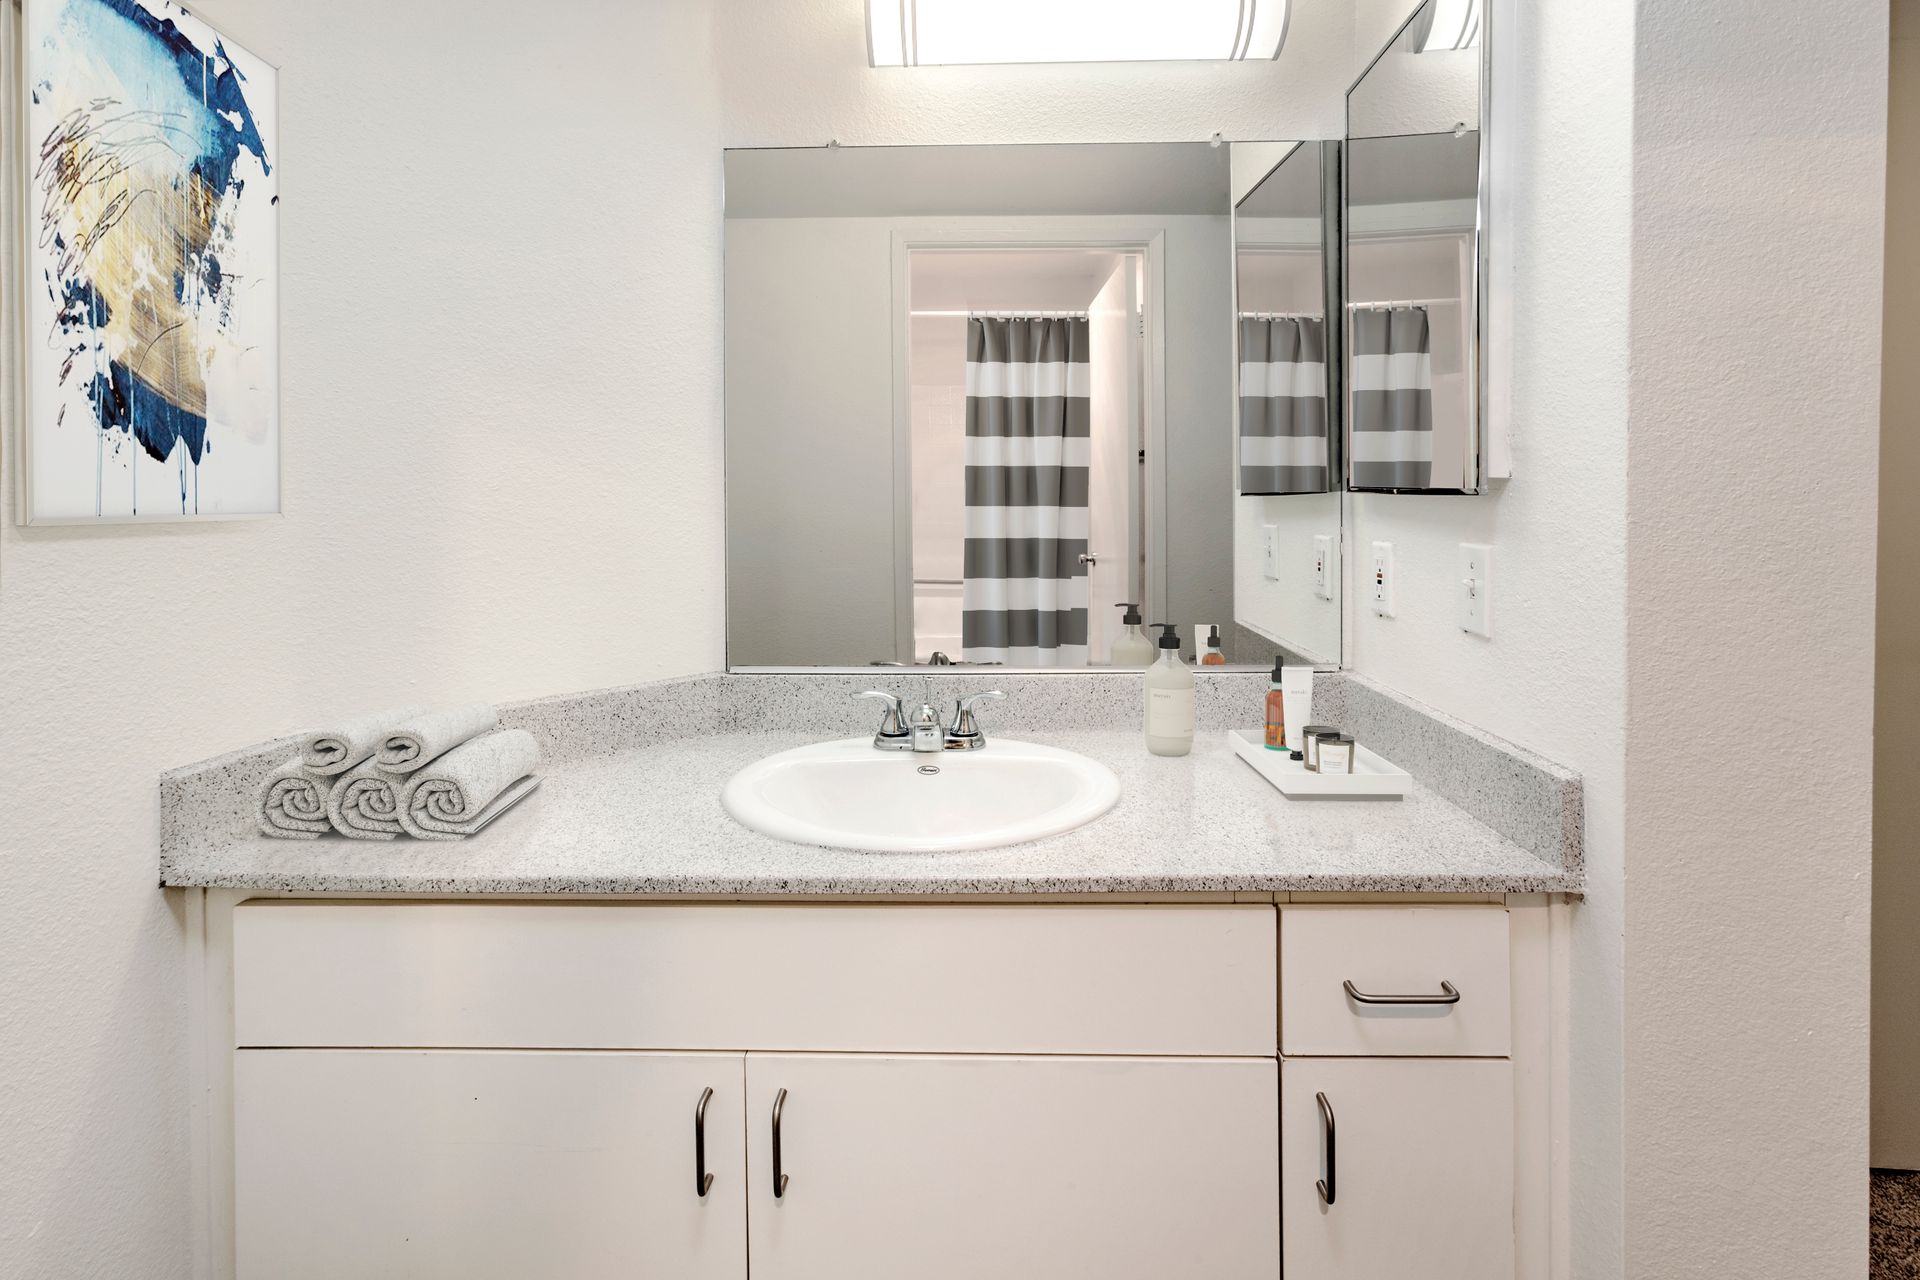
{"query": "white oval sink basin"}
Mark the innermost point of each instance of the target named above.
(847, 795)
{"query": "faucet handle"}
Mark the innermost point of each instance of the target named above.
(963, 725)
(894, 723)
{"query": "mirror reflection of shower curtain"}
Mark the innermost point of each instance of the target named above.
(1392, 398)
(1283, 405)
(1028, 459)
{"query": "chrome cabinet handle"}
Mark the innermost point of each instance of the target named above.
(779, 1178)
(702, 1180)
(1448, 995)
(1325, 1185)
(1089, 557)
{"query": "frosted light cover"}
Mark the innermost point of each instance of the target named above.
(1456, 25)
(924, 33)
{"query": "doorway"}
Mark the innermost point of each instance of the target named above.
(946, 289)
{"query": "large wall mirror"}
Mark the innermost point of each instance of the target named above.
(978, 399)
(1413, 230)
(1287, 578)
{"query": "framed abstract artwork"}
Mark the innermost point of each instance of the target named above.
(149, 256)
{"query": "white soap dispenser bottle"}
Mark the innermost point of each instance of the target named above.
(1131, 648)
(1169, 690)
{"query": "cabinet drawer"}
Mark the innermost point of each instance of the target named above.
(1406, 952)
(1196, 980)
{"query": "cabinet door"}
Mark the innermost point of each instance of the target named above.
(1418, 1155)
(955, 1168)
(481, 1164)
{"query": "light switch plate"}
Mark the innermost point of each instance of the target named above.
(1323, 570)
(1380, 579)
(1270, 551)
(1474, 590)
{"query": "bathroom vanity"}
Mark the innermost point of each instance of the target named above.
(1215, 1032)
(800, 1091)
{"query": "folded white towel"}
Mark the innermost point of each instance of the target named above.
(471, 785)
(348, 742)
(365, 803)
(293, 804)
(433, 733)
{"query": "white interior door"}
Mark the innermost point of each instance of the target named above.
(1420, 1168)
(1113, 354)
(957, 1168)
(476, 1165)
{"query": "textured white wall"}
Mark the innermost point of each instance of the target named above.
(1759, 157)
(1553, 676)
(502, 348)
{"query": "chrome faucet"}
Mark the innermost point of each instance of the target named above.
(919, 730)
(903, 730)
(964, 734)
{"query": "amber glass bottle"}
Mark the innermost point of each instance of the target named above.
(1276, 713)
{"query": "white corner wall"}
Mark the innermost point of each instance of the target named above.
(1758, 161)
(1553, 677)
(501, 337)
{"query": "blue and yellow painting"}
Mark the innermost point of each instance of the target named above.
(154, 347)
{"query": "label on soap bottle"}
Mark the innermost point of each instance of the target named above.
(1169, 713)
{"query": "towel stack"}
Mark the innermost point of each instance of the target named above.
(433, 775)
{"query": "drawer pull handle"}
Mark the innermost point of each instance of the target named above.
(1448, 995)
(779, 1178)
(702, 1180)
(1325, 1185)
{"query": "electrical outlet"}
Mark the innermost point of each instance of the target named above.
(1380, 579)
(1270, 545)
(1323, 566)
(1474, 598)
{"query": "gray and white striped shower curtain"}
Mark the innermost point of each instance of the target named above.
(1029, 454)
(1283, 405)
(1392, 398)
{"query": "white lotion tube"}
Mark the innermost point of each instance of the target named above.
(1296, 700)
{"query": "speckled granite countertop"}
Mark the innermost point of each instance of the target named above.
(648, 820)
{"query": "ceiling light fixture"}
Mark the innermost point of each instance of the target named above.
(926, 33)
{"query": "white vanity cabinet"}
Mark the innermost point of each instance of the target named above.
(954, 1168)
(1417, 1157)
(487, 1165)
(1396, 1093)
(490, 1089)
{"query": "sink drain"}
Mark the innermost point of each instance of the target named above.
(928, 769)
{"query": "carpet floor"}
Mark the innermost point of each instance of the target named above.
(1895, 1225)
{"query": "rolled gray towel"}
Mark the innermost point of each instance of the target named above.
(348, 742)
(471, 785)
(293, 804)
(365, 803)
(432, 734)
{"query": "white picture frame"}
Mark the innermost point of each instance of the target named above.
(146, 370)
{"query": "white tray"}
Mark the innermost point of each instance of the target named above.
(1372, 774)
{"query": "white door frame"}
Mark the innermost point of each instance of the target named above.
(1113, 234)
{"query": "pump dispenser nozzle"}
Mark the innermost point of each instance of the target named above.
(1169, 635)
(1132, 618)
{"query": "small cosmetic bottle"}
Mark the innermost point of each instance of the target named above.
(1276, 711)
(1211, 655)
